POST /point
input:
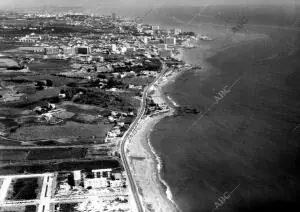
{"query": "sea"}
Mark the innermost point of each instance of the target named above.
(241, 152)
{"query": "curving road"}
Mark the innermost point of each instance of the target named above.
(127, 136)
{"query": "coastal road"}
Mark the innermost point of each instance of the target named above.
(127, 136)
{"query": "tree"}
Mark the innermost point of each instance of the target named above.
(71, 181)
(110, 83)
(101, 76)
(49, 83)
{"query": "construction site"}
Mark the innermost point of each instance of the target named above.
(66, 191)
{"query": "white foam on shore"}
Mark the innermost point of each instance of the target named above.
(159, 168)
(173, 102)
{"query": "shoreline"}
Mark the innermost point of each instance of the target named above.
(171, 104)
(147, 172)
(159, 195)
(207, 52)
(159, 161)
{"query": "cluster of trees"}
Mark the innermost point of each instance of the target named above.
(111, 83)
(15, 68)
(188, 33)
(40, 84)
(21, 80)
(153, 65)
(112, 57)
(115, 83)
(98, 98)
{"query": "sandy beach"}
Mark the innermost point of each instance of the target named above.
(144, 163)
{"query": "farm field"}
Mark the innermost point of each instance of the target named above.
(50, 154)
(24, 188)
(68, 130)
(13, 155)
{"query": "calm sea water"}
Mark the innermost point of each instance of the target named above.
(245, 148)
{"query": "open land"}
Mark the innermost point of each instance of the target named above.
(24, 189)
(41, 154)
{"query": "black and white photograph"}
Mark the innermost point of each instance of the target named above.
(149, 105)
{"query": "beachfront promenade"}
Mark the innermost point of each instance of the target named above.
(127, 136)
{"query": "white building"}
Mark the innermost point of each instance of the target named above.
(52, 50)
(155, 27)
(116, 183)
(99, 180)
(175, 31)
(69, 51)
(38, 49)
(77, 175)
(32, 38)
(123, 49)
(96, 183)
(27, 40)
(102, 173)
(113, 47)
(111, 119)
(145, 40)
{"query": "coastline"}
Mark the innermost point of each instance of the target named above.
(147, 171)
(204, 52)
(145, 163)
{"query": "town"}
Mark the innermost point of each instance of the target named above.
(71, 89)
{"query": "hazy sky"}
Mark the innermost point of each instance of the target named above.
(130, 3)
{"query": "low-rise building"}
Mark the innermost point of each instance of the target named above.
(51, 50)
(33, 38)
(69, 51)
(156, 27)
(95, 183)
(175, 31)
(83, 50)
